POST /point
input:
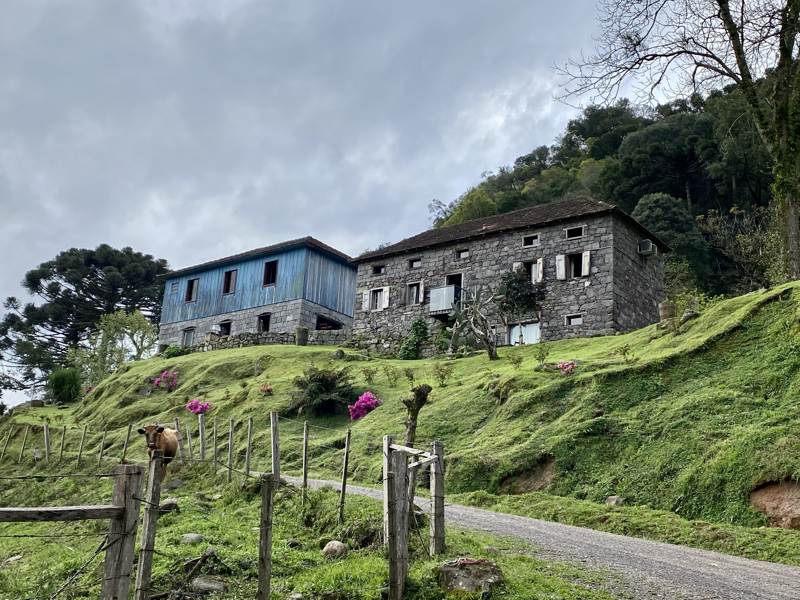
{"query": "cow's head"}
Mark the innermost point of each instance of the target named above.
(151, 434)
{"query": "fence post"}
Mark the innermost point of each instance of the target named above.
(388, 490)
(80, 448)
(230, 450)
(47, 442)
(400, 469)
(125, 443)
(102, 448)
(437, 500)
(305, 460)
(201, 434)
(24, 441)
(390, 520)
(180, 438)
(8, 439)
(62, 445)
(345, 462)
(189, 450)
(265, 539)
(276, 448)
(249, 449)
(216, 448)
(122, 533)
(152, 500)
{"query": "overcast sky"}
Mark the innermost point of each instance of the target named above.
(193, 129)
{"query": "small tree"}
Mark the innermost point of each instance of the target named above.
(474, 308)
(518, 297)
(414, 405)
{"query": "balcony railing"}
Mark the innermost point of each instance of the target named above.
(444, 299)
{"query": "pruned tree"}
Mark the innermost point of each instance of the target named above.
(414, 405)
(474, 308)
(705, 44)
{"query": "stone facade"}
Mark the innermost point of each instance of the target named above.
(243, 340)
(285, 317)
(620, 292)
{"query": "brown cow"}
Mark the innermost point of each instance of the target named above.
(161, 438)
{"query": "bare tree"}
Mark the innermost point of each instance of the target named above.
(703, 44)
(474, 307)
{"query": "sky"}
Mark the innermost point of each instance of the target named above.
(194, 129)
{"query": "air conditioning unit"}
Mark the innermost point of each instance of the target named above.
(647, 248)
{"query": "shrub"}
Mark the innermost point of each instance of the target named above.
(369, 374)
(366, 403)
(323, 391)
(174, 351)
(442, 371)
(625, 352)
(266, 389)
(167, 380)
(198, 407)
(566, 367)
(391, 374)
(515, 358)
(408, 372)
(65, 385)
(411, 348)
(542, 352)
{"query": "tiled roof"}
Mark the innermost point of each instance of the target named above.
(541, 214)
(307, 242)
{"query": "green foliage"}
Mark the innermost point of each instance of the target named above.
(410, 376)
(369, 374)
(391, 374)
(323, 391)
(411, 348)
(517, 296)
(515, 357)
(173, 351)
(442, 372)
(625, 352)
(64, 385)
(542, 352)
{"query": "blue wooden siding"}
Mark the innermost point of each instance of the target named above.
(330, 283)
(249, 293)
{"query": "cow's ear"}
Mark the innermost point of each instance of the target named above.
(140, 430)
(159, 429)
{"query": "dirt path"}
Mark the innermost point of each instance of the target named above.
(650, 570)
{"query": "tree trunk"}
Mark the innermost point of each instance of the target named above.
(414, 406)
(791, 216)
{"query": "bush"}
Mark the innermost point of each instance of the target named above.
(408, 372)
(442, 372)
(411, 348)
(515, 358)
(391, 374)
(174, 351)
(366, 403)
(65, 385)
(542, 352)
(369, 374)
(323, 391)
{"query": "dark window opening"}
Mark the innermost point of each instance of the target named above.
(229, 282)
(413, 295)
(225, 328)
(530, 240)
(174, 287)
(263, 322)
(191, 290)
(574, 232)
(270, 272)
(378, 269)
(574, 319)
(376, 299)
(326, 324)
(575, 265)
(530, 266)
(187, 338)
(415, 263)
(454, 279)
(463, 253)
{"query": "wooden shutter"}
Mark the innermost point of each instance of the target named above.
(539, 270)
(365, 302)
(586, 263)
(422, 291)
(385, 298)
(561, 270)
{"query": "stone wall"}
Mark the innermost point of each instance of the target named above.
(243, 340)
(285, 317)
(592, 296)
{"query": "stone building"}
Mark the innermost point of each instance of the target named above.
(266, 291)
(601, 272)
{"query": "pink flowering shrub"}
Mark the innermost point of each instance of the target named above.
(366, 403)
(198, 407)
(168, 380)
(566, 367)
(266, 389)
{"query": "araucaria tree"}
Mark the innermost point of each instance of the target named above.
(703, 44)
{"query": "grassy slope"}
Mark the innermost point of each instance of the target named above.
(690, 426)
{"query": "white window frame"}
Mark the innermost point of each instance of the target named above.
(188, 332)
(383, 299)
(537, 242)
(581, 227)
(420, 293)
(573, 316)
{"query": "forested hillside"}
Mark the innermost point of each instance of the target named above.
(695, 172)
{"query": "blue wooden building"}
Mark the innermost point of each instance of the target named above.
(298, 283)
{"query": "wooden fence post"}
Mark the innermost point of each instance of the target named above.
(437, 500)
(189, 451)
(122, 533)
(305, 460)
(201, 435)
(216, 447)
(8, 439)
(47, 442)
(24, 441)
(63, 441)
(276, 448)
(80, 448)
(230, 450)
(249, 449)
(102, 448)
(151, 510)
(345, 462)
(268, 484)
(401, 482)
(388, 490)
(125, 443)
(180, 438)
(390, 520)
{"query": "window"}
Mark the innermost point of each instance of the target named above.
(225, 328)
(378, 269)
(376, 299)
(262, 326)
(415, 263)
(530, 240)
(576, 319)
(187, 338)
(462, 254)
(229, 282)
(326, 324)
(191, 290)
(575, 264)
(414, 293)
(270, 272)
(572, 233)
(174, 287)
(455, 279)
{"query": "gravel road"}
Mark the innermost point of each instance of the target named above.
(650, 570)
